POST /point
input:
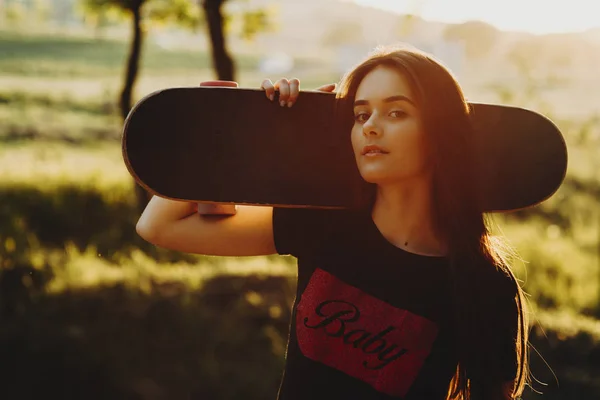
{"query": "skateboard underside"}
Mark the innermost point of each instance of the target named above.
(234, 146)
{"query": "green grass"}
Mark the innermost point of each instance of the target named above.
(76, 269)
(46, 165)
(60, 56)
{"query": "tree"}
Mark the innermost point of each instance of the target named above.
(253, 22)
(182, 11)
(222, 61)
(141, 13)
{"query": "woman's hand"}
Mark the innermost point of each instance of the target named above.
(288, 90)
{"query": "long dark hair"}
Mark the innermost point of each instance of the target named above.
(477, 259)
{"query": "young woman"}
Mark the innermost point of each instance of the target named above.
(408, 299)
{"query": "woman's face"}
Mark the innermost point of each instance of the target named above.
(387, 137)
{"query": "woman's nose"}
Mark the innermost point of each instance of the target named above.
(371, 127)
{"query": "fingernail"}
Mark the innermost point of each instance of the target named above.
(290, 104)
(282, 103)
(272, 97)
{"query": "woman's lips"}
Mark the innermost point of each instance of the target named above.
(373, 151)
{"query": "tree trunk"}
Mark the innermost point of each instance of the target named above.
(130, 77)
(133, 60)
(222, 62)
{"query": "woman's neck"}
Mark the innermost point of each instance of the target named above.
(403, 213)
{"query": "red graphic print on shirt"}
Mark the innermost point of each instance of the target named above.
(362, 336)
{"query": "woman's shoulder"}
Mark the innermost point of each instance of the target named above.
(296, 230)
(316, 216)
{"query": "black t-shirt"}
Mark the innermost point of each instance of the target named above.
(370, 320)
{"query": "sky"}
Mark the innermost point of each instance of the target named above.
(533, 16)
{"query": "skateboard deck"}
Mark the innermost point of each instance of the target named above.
(234, 146)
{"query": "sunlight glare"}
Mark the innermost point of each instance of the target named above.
(533, 16)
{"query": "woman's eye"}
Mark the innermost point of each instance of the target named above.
(361, 117)
(398, 114)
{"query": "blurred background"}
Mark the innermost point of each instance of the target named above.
(90, 311)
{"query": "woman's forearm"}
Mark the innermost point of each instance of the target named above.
(160, 212)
